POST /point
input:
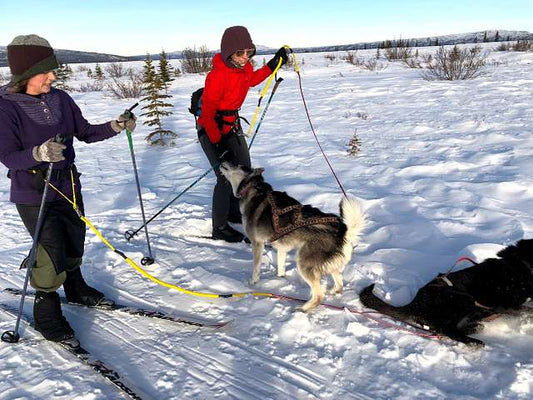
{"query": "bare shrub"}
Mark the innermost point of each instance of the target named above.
(115, 70)
(3, 77)
(95, 86)
(354, 145)
(196, 61)
(330, 57)
(399, 51)
(371, 64)
(127, 88)
(455, 64)
(523, 45)
(504, 47)
(82, 68)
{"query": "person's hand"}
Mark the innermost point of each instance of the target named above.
(280, 54)
(126, 120)
(49, 151)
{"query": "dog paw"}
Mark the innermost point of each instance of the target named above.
(252, 282)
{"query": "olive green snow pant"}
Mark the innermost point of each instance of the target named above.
(44, 276)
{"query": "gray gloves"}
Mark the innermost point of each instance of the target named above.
(49, 151)
(125, 120)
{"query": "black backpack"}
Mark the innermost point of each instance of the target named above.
(196, 103)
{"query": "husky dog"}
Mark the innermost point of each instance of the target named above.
(324, 241)
(456, 303)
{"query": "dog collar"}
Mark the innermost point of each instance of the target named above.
(244, 190)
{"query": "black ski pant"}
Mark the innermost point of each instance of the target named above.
(224, 203)
(61, 242)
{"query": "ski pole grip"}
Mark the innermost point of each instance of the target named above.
(129, 110)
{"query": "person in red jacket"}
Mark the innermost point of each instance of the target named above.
(219, 128)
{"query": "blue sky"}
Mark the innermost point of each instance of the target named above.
(139, 26)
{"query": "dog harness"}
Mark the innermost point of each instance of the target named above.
(297, 220)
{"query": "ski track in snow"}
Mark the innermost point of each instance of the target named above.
(444, 171)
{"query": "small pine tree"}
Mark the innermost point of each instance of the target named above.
(63, 74)
(485, 37)
(90, 73)
(354, 145)
(497, 36)
(436, 41)
(148, 70)
(98, 73)
(156, 107)
(165, 69)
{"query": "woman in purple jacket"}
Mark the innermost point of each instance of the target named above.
(32, 113)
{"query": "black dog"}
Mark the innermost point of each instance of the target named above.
(455, 304)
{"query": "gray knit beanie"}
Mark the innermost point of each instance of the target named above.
(29, 55)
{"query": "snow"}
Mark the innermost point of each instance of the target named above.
(444, 171)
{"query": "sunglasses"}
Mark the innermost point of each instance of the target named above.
(249, 52)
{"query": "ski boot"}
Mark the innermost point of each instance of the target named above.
(49, 319)
(227, 233)
(77, 291)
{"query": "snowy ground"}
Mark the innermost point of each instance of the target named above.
(444, 171)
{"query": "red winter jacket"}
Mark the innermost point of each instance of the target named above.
(226, 89)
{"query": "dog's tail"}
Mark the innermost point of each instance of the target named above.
(353, 217)
(370, 300)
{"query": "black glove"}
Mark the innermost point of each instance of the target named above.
(281, 53)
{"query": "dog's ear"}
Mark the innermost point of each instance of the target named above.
(257, 171)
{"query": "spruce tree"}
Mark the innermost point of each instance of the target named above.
(156, 106)
(98, 73)
(63, 74)
(165, 69)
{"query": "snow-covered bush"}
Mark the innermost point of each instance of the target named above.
(94, 86)
(115, 70)
(127, 88)
(523, 45)
(371, 64)
(196, 61)
(455, 64)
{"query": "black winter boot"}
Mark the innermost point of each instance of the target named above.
(49, 319)
(77, 290)
(227, 233)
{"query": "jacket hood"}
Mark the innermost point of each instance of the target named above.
(235, 38)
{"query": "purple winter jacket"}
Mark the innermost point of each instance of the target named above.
(27, 121)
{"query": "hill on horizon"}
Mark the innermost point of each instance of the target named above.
(75, 56)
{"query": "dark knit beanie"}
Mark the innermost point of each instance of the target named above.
(235, 38)
(29, 55)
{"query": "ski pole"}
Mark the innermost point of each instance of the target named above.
(130, 234)
(13, 336)
(274, 88)
(147, 260)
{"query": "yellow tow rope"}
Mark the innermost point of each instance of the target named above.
(265, 89)
(133, 264)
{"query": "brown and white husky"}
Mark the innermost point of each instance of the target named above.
(324, 241)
